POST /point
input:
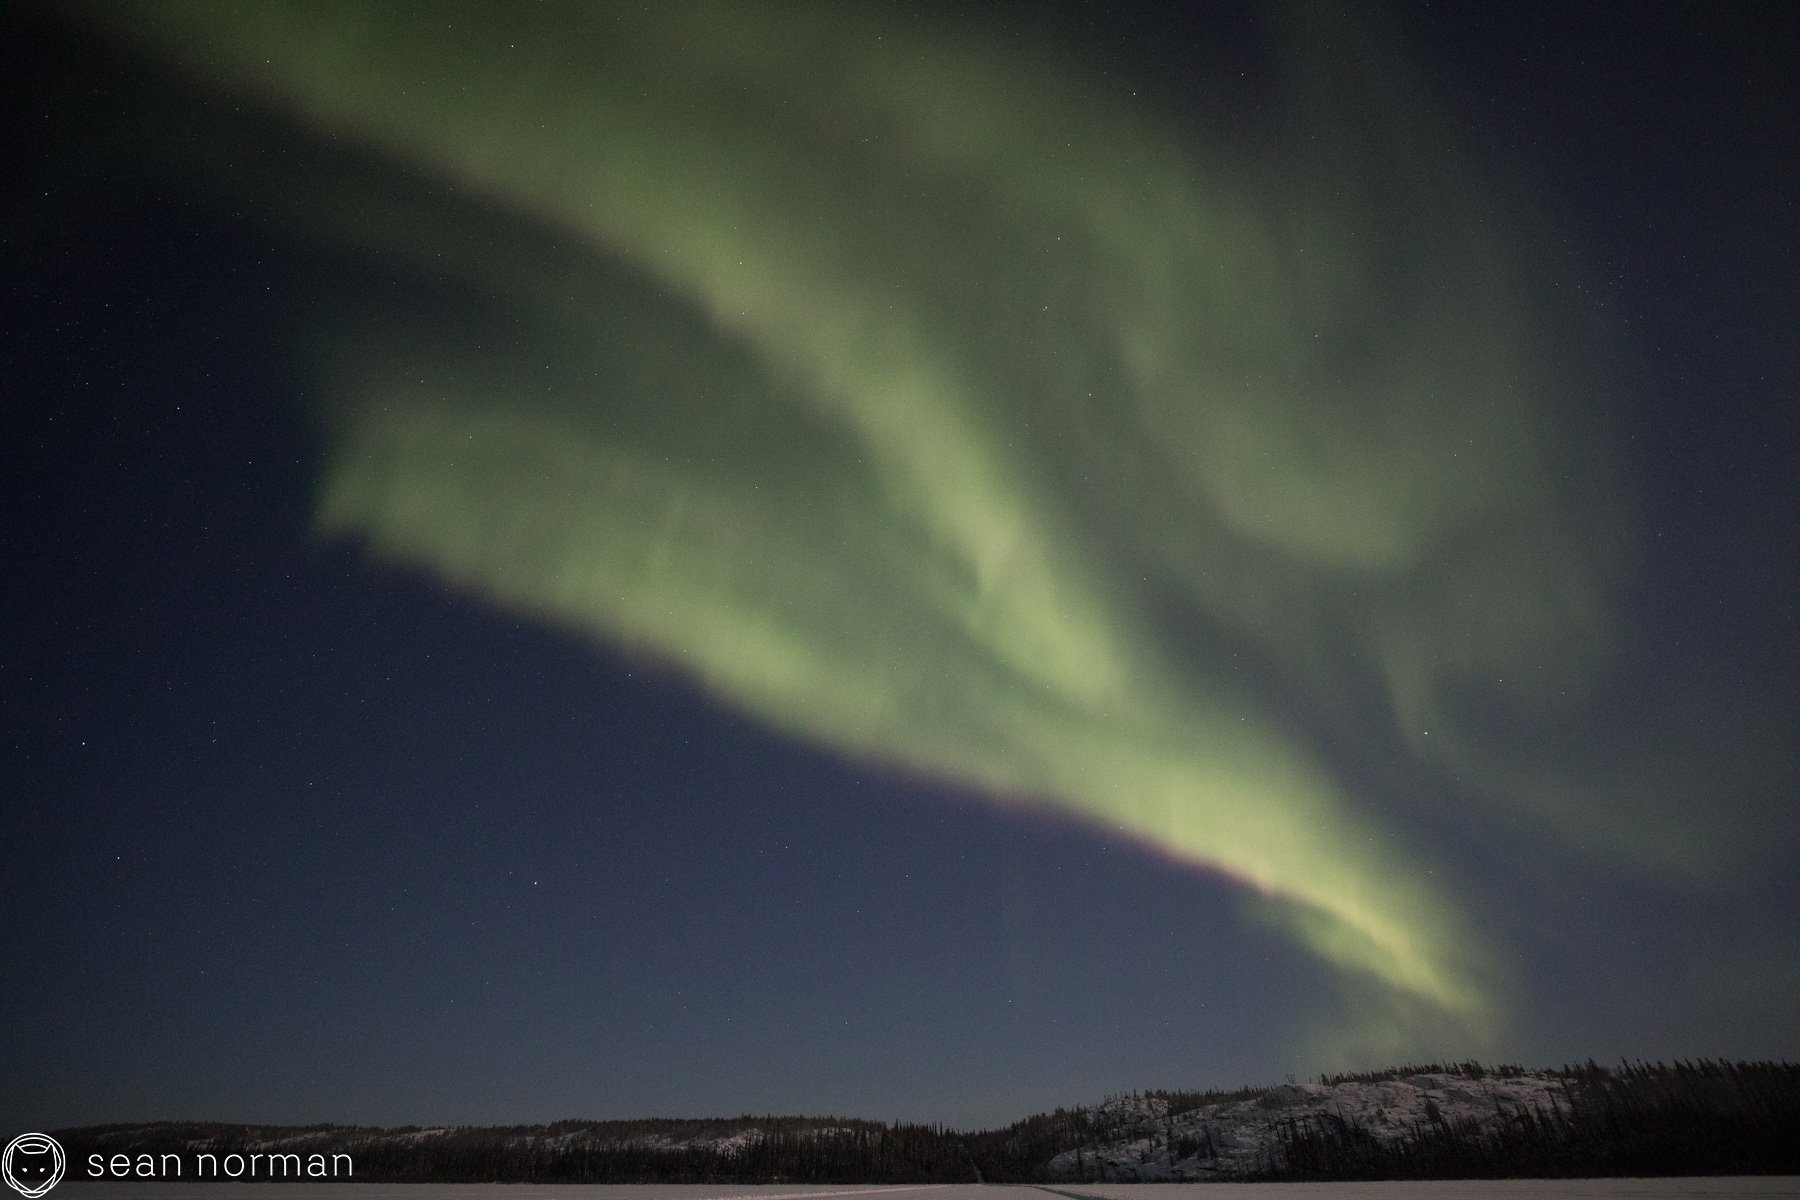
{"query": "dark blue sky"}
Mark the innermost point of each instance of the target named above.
(299, 836)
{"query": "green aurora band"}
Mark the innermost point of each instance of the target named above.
(927, 395)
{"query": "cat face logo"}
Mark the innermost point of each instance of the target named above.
(32, 1164)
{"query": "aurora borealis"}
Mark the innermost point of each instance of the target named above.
(1256, 489)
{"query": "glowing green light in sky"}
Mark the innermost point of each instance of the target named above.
(930, 398)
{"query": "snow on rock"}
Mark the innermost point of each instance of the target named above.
(1138, 1137)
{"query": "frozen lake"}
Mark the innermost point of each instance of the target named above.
(1503, 1189)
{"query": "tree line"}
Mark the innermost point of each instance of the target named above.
(1689, 1118)
(1642, 1119)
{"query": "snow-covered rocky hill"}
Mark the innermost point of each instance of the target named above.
(1154, 1137)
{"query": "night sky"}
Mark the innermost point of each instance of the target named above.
(890, 560)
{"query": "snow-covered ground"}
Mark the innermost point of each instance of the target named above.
(1757, 1187)
(1750, 1187)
